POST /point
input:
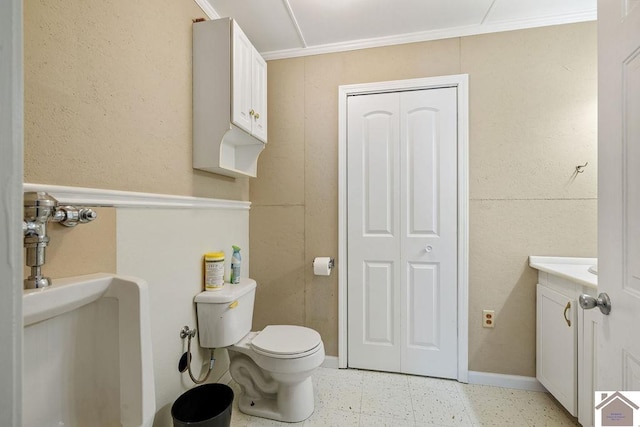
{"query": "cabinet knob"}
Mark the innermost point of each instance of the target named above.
(257, 116)
(252, 113)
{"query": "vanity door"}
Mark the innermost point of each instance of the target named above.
(556, 347)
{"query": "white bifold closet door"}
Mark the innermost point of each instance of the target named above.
(402, 232)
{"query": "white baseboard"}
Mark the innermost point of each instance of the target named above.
(330, 362)
(508, 381)
(482, 378)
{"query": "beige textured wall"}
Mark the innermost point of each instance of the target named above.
(532, 120)
(108, 105)
(108, 97)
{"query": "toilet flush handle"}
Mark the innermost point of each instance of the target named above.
(233, 304)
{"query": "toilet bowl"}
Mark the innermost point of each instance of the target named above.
(274, 366)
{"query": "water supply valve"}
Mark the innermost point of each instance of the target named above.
(40, 209)
(72, 215)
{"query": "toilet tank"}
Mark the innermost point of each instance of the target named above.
(225, 316)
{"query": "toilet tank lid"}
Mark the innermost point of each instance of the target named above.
(228, 293)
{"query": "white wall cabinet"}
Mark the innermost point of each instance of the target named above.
(565, 345)
(249, 100)
(229, 99)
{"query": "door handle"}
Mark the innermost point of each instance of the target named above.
(603, 301)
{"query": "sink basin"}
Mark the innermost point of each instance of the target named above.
(593, 269)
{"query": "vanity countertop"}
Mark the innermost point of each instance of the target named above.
(570, 268)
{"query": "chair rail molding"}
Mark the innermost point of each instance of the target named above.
(130, 199)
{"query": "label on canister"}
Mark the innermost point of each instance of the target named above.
(213, 271)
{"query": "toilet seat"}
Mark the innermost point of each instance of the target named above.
(286, 341)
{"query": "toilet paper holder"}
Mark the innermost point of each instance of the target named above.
(331, 262)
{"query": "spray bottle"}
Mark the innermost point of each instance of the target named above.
(236, 259)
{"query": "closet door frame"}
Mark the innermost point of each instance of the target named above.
(461, 83)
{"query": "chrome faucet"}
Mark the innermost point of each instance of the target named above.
(39, 209)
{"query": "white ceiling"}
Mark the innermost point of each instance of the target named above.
(287, 28)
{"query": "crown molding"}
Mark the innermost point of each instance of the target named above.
(472, 30)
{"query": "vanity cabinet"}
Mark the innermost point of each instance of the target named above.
(565, 343)
(557, 346)
(229, 99)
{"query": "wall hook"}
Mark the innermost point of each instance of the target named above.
(580, 168)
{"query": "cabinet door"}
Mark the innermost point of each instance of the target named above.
(241, 80)
(259, 96)
(556, 349)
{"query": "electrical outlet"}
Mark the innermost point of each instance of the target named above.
(488, 318)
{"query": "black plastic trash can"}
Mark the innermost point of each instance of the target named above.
(207, 405)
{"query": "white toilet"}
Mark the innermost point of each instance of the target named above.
(273, 366)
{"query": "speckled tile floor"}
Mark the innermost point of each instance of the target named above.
(347, 398)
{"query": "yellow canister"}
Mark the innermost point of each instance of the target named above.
(213, 271)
